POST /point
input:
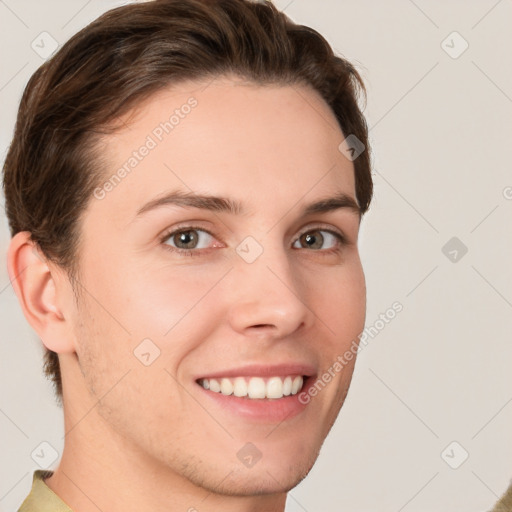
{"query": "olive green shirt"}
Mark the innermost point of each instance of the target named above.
(41, 498)
(505, 503)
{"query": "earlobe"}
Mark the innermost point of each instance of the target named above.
(36, 287)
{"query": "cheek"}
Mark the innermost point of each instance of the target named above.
(171, 303)
(114, 369)
(340, 302)
(153, 300)
(341, 308)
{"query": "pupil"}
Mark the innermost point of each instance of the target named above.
(313, 240)
(186, 237)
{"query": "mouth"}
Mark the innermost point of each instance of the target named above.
(259, 393)
(256, 388)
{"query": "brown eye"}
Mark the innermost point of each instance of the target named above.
(189, 239)
(185, 239)
(315, 239)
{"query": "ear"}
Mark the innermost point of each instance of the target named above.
(42, 291)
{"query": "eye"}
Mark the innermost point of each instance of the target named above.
(188, 238)
(316, 238)
(193, 240)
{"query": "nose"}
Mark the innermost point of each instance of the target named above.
(268, 297)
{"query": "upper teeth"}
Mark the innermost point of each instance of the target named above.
(255, 387)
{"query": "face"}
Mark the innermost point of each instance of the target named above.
(248, 293)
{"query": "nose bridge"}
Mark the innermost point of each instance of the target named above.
(268, 292)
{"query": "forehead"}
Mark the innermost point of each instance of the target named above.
(228, 137)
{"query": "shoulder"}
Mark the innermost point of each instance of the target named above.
(505, 502)
(41, 498)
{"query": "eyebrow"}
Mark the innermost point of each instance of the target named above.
(227, 205)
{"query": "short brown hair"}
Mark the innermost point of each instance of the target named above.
(123, 57)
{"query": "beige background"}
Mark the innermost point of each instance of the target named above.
(441, 129)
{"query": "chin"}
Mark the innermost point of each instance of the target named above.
(263, 482)
(264, 478)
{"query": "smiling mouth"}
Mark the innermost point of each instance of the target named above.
(255, 388)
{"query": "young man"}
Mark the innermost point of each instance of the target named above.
(184, 189)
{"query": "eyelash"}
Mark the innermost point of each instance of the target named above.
(342, 240)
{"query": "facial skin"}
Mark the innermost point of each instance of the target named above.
(146, 437)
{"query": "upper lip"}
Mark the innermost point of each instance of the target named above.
(260, 370)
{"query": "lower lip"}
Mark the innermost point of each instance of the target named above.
(269, 410)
